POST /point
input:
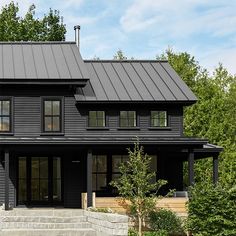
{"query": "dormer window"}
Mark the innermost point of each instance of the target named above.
(52, 117)
(127, 119)
(158, 119)
(96, 119)
(5, 115)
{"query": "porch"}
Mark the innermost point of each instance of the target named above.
(64, 171)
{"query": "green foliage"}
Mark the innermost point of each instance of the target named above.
(28, 28)
(157, 233)
(120, 55)
(212, 210)
(135, 184)
(132, 232)
(165, 220)
(213, 116)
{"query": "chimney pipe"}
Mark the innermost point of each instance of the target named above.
(77, 29)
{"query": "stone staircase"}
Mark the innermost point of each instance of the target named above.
(45, 222)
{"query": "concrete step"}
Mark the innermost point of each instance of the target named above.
(33, 225)
(42, 212)
(43, 219)
(46, 232)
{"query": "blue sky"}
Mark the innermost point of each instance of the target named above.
(144, 28)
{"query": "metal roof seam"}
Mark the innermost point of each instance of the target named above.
(65, 61)
(76, 60)
(110, 81)
(34, 61)
(23, 58)
(142, 81)
(58, 72)
(13, 63)
(174, 81)
(44, 61)
(153, 81)
(164, 82)
(131, 81)
(100, 81)
(120, 80)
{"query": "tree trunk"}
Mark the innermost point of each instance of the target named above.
(139, 225)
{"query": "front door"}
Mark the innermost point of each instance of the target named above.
(39, 181)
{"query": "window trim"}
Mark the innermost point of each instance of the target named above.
(105, 127)
(52, 98)
(11, 115)
(129, 127)
(159, 127)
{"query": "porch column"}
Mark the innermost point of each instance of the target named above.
(215, 169)
(6, 157)
(191, 168)
(89, 179)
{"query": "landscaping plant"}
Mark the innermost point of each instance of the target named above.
(135, 184)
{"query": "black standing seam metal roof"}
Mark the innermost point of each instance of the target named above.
(41, 60)
(133, 80)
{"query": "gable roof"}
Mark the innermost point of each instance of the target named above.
(41, 61)
(133, 80)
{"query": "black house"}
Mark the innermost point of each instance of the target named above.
(65, 123)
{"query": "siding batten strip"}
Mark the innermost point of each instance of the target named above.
(89, 179)
(6, 156)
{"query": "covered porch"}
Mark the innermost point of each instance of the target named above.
(88, 167)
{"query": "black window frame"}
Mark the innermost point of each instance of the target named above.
(128, 119)
(104, 119)
(2, 99)
(158, 119)
(61, 115)
(103, 173)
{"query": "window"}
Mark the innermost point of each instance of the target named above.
(158, 118)
(97, 119)
(52, 116)
(5, 115)
(99, 173)
(127, 118)
(116, 162)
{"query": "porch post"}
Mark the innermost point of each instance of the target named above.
(6, 157)
(215, 169)
(191, 168)
(89, 179)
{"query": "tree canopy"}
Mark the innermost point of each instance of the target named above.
(29, 28)
(213, 116)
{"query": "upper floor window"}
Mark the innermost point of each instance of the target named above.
(5, 115)
(52, 116)
(127, 118)
(96, 119)
(158, 118)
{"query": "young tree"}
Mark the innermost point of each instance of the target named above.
(28, 28)
(120, 55)
(136, 185)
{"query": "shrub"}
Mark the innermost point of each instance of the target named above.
(165, 221)
(132, 232)
(212, 210)
(158, 233)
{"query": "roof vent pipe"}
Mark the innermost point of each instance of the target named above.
(77, 29)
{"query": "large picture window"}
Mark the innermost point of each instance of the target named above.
(96, 119)
(5, 115)
(52, 115)
(158, 118)
(127, 118)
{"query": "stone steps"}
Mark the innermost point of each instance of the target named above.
(43, 219)
(46, 232)
(45, 222)
(36, 225)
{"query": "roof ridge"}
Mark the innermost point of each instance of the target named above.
(37, 42)
(119, 61)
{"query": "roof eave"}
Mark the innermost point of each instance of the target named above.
(77, 82)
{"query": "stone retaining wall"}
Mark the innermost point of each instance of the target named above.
(107, 224)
